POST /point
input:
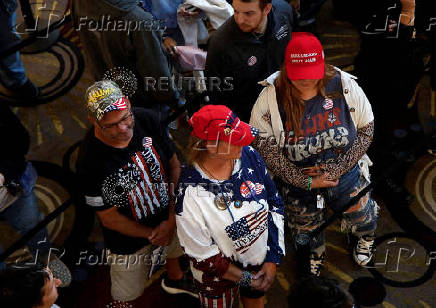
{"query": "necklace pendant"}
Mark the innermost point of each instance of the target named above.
(220, 202)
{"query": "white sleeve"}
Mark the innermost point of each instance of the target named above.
(260, 114)
(363, 111)
(193, 233)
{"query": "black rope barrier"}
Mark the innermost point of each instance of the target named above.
(34, 36)
(26, 10)
(29, 234)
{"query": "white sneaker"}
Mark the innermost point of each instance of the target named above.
(364, 250)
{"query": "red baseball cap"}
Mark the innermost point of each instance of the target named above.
(304, 57)
(218, 122)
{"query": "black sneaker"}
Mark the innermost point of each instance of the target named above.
(364, 250)
(184, 285)
(27, 90)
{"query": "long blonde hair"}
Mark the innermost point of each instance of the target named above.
(197, 150)
(289, 97)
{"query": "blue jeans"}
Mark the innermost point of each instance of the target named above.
(304, 216)
(12, 73)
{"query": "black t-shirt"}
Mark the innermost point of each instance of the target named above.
(134, 179)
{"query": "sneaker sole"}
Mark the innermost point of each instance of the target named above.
(176, 291)
(361, 263)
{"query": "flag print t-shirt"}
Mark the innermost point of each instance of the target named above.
(248, 227)
(133, 179)
(327, 129)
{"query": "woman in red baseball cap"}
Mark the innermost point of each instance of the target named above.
(229, 213)
(316, 125)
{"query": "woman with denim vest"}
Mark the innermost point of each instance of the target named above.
(316, 125)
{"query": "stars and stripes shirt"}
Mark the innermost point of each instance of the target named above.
(249, 231)
(133, 179)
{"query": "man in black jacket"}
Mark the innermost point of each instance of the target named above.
(119, 33)
(247, 48)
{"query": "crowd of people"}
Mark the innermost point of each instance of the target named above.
(284, 145)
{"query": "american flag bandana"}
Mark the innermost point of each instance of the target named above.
(120, 104)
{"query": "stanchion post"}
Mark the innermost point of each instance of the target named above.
(27, 12)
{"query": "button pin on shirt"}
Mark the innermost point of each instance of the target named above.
(237, 204)
(252, 61)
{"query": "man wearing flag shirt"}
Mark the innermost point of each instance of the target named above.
(255, 38)
(126, 165)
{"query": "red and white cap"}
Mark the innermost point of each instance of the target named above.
(304, 57)
(218, 122)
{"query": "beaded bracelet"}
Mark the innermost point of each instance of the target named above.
(309, 183)
(245, 280)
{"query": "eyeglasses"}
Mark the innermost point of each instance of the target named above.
(124, 120)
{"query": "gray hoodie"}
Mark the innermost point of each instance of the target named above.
(119, 33)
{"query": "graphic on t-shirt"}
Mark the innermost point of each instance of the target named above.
(328, 131)
(139, 184)
(245, 231)
(147, 142)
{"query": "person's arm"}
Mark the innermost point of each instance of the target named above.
(216, 70)
(221, 267)
(163, 233)
(407, 15)
(195, 236)
(350, 158)
(112, 219)
(153, 67)
(269, 148)
(363, 119)
(276, 236)
(272, 153)
(12, 158)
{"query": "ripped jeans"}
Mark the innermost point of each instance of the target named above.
(304, 216)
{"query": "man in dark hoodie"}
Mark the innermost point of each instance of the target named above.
(248, 47)
(120, 33)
